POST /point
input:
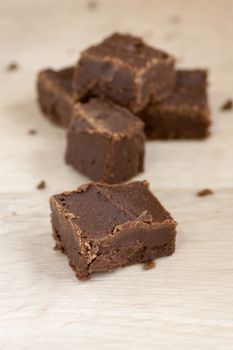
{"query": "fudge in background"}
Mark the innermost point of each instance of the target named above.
(183, 115)
(55, 95)
(105, 141)
(102, 227)
(124, 69)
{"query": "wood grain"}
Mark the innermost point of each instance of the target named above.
(186, 302)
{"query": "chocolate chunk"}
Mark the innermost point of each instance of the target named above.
(126, 70)
(113, 226)
(105, 142)
(185, 113)
(227, 105)
(41, 185)
(205, 192)
(55, 96)
(13, 66)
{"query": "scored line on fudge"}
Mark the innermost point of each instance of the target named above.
(101, 227)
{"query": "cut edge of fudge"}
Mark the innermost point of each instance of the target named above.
(55, 94)
(126, 70)
(115, 235)
(105, 142)
(185, 114)
(132, 126)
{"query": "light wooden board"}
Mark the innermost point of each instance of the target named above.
(186, 302)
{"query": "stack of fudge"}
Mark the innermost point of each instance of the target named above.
(120, 92)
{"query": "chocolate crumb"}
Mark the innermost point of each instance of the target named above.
(41, 185)
(149, 265)
(205, 192)
(227, 105)
(13, 66)
(32, 132)
(92, 4)
(13, 213)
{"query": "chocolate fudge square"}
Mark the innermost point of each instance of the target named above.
(105, 141)
(55, 95)
(185, 113)
(101, 227)
(126, 70)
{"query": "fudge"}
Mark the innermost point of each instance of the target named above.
(55, 95)
(185, 113)
(105, 141)
(126, 70)
(101, 227)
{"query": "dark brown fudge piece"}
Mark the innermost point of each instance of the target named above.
(105, 141)
(55, 95)
(126, 70)
(102, 227)
(185, 113)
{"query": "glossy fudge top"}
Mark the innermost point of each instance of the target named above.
(190, 89)
(126, 49)
(62, 78)
(98, 209)
(105, 117)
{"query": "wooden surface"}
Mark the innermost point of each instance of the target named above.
(186, 302)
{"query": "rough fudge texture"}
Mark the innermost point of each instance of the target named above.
(126, 70)
(105, 142)
(102, 227)
(55, 95)
(185, 113)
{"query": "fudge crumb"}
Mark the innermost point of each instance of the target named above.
(13, 66)
(227, 105)
(92, 4)
(205, 192)
(41, 185)
(32, 132)
(149, 265)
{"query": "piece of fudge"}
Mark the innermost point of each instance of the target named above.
(126, 70)
(101, 227)
(55, 95)
(185, 113)
(105, 141)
